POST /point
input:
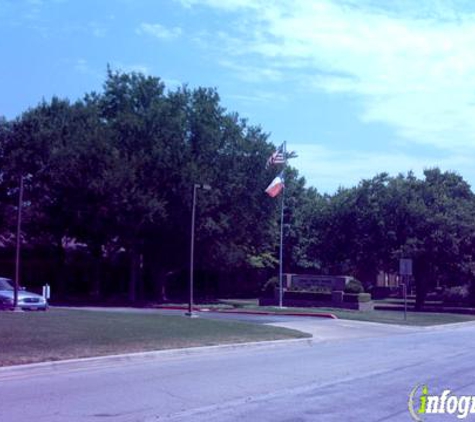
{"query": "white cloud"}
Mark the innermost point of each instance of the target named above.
(93, 28)
(249, 73)
(172, 83)
(97, 30)
(131, 67)
(83, 66)
(159, 31)
(327, 169)
(260, 97)
(221, 4)
(412, 67)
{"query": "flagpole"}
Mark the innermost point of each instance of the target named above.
(281, 252)
(277, 186)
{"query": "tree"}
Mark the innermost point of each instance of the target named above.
(114, 172)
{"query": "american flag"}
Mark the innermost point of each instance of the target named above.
(278, 157)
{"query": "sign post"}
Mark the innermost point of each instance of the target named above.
(404, 293)
(405, 270)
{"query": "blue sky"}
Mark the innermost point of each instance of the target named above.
(356, 87)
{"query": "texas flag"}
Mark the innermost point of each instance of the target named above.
(276, 186)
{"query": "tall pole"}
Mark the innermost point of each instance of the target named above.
(192, 251)
(281, 253)
(192, 246)
(275, 158)
(18, 245)
(404, 293)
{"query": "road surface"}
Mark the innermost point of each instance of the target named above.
(352, 372)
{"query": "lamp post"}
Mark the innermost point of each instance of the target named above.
(196, 186)
(18, 245)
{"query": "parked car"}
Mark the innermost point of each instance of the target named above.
(26, 300)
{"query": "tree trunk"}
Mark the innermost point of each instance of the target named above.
(134, 273)
(61, 271)
(96, 252)
(160, 278)
(420, 294)
(158, 274)
(422, 275)
(141, 293)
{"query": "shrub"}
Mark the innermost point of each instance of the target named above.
(457, 294)
(356, 297)
(269, 287)
(305, 295)
(379, 292)
(270, 284)
(354, 286)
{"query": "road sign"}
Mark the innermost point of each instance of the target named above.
(405, 266)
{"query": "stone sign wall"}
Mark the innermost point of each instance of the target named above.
(306, 290)
(319, 282)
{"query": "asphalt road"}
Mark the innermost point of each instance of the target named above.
(353, 372)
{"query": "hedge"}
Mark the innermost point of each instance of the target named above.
(356, 297)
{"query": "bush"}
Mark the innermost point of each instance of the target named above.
(354, 286)
(294, 295)
(269, 287)
(456, 295)
(270, 284)
(380, 292)
(356, 297)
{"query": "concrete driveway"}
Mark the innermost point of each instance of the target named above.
(320, 328)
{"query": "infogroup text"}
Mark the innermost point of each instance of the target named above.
(422, 403)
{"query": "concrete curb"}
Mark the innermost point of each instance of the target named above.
(225, 311)
(449, 326)
(43, 368)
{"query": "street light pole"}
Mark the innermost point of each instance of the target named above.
(196, 186)
(18, 245)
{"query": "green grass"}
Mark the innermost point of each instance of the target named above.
(385, 317)
(240, 303)
(397, 301)
(68, 334)
(422, 319)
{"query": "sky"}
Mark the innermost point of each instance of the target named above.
(355, 87)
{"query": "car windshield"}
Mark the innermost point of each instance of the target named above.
(5, 284)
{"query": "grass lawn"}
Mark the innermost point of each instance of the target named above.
(422, 319)
(240, 303)
(386, 317)
(67, 334)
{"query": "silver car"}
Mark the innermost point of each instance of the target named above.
(26, 300)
